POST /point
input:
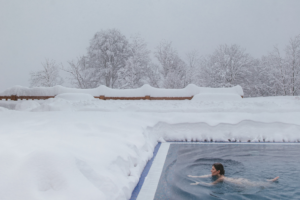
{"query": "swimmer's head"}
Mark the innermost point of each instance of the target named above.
(217, 169)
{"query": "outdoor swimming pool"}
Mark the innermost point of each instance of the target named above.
(254, 162)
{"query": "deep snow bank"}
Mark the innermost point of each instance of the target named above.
(62, 155)
(244, 131)
(145, 90)
(75, 97)
(26, 105)
(3, 109)
(100, 155)
(204, 104)
(216, 97)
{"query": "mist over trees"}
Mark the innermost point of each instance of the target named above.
(48, 76)
(119, 62)
(134, 73)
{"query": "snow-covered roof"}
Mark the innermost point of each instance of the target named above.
(145, 90)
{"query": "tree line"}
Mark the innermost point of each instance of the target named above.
(117, 62)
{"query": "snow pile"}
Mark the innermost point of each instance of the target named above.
(2, 109)
(216, 97)
(8, 104)
(26, 105)
(244, 131)
(75, 97)
(145, 90)
(56, 104)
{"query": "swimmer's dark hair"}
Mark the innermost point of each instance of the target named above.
(219, 166)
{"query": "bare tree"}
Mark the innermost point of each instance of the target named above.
(80, 75)
(48, 77)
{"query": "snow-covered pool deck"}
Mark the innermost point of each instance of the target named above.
(149, 180)
(92, 149)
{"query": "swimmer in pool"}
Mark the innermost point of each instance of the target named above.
(218, 171)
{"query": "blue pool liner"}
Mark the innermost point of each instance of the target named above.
(138, 187)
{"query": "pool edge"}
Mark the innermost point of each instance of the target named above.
(144, 174)
(149, 187)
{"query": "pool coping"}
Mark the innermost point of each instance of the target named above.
(271, 143)
(144, 174)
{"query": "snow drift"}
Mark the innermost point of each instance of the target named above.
(216, 97)
(244, 131)
(75, 96)
(26, 105)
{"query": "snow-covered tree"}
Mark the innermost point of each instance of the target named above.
(275, 75)
(209, 76)
(193, 69)
(47, 77)
(226, 67)
(176, 76)
(280, 75)
(154, 76)
(293, 65)
(133, 74)
(257, 81)
(116, 62)
(173, 68)
(107, 54)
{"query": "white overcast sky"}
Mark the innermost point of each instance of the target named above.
(33, 30)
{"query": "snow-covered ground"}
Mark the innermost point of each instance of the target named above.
(94, 149)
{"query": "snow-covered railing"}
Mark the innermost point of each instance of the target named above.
(15, 98)
(145, 92)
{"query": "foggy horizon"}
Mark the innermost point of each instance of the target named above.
(34, 31)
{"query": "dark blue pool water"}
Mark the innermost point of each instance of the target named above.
(253, 163)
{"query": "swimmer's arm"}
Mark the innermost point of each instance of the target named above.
(204, 176)
(274, 179)
(202, 183)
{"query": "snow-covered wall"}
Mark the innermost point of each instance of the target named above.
(145, 90)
